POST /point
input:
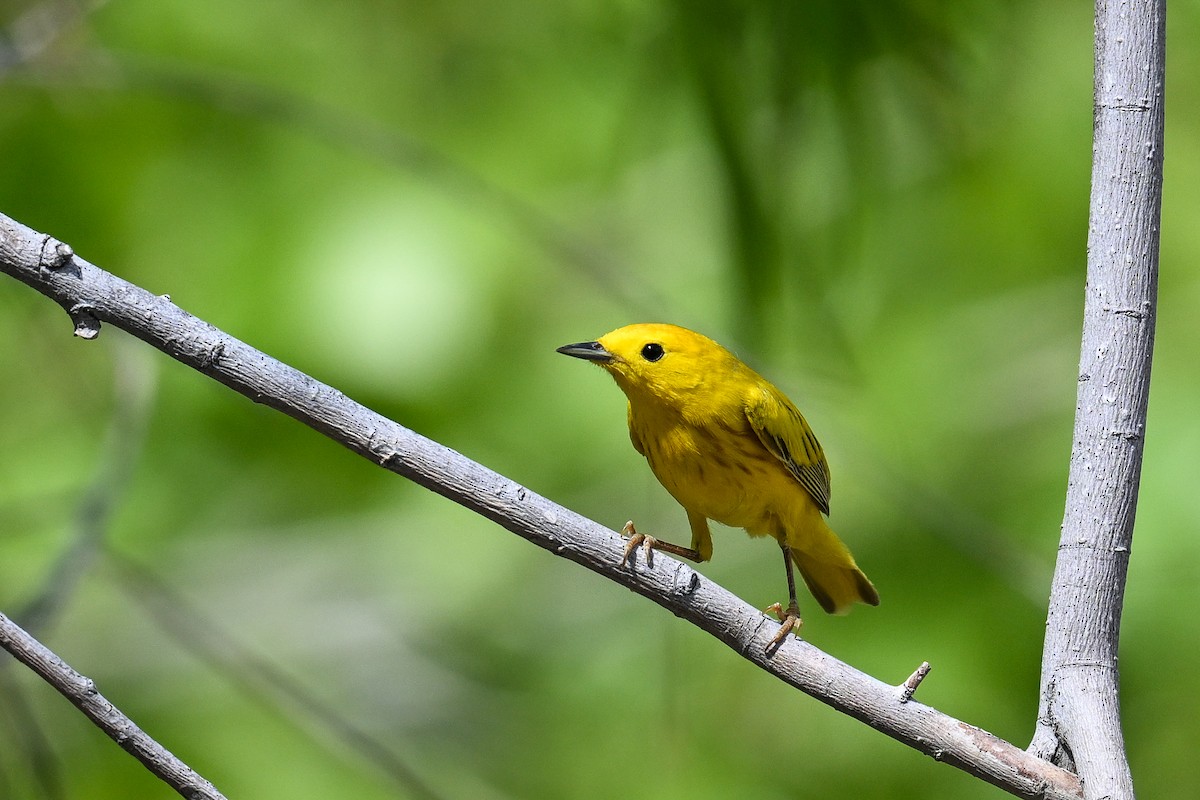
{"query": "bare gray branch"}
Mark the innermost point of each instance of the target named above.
(1079, 722)
(82, 693)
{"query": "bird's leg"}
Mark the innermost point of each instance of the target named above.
(790, 618)
(650, 544)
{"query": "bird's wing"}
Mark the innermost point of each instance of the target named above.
(782, 430)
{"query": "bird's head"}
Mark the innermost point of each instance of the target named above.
(656, 360)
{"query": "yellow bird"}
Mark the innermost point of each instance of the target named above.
(729, 446)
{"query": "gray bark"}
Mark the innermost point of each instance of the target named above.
(1079, 723)
(83, 695)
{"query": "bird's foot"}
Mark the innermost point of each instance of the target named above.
(647, 542)
(790, 619)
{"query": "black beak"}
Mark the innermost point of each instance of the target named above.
(589, 351)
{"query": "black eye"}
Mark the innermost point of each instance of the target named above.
(652, 351)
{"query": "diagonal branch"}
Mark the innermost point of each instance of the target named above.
(82, 693)
(1079, 723)
(91, 296)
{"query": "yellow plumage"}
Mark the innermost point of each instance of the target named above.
(729, 446)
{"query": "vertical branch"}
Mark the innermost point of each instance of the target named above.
(1079, 713)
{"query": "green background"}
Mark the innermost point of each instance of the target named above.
(880, 205)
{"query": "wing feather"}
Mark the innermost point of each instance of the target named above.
(782, 429)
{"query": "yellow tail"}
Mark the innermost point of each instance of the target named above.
(829, 570)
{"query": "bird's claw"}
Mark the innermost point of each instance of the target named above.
(635, 539)
(789, 619)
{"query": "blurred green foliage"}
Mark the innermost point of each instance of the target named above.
(880, 204)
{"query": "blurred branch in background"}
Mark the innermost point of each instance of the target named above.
(91, 296)
(771, 82)
(134, 381)
(111, 71)
(134, 387)
(36, 29)
(254, 675)
(715, 46)
(31, 750)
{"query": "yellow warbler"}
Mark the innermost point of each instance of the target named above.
(730, 447)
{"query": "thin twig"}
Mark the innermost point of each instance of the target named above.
(83, 695)
(25, 255)
(906, 690)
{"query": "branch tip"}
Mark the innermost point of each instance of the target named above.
(906, 690)
(87, 326)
